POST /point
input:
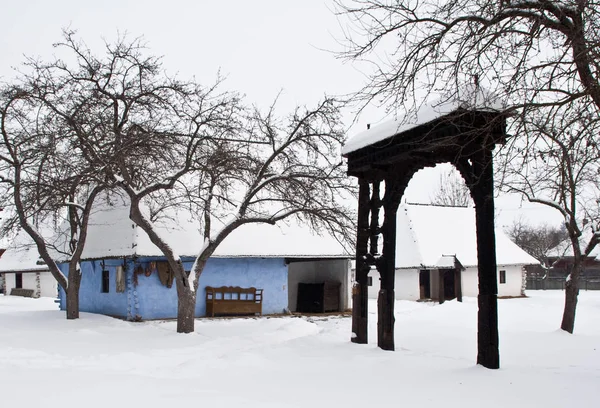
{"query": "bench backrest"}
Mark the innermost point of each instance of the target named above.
(233, 293)
(21, 292)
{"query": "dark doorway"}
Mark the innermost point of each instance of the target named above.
(425, 284)
(105, 281)
(18, 280)
(449, 281)
(318, 297)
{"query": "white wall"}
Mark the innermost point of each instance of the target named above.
(407, 283)
(317, 272)
(469, 282)
(48, 284)
(512, 287)
(406, 286)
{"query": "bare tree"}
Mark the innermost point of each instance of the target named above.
(266, 172)
(557, 165)
(531, 53)
(538, 241)
(43, 178)
(170, 143)
(452, 191)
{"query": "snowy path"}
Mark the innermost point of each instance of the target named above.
(98, 361)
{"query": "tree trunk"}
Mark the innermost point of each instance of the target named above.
(72, 293)
(571, 292)
(186, 308)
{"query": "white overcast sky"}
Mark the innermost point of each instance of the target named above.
(261, 46)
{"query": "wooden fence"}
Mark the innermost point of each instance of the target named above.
(558, 283)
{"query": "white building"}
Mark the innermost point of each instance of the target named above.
(19, 269)
(435, 242)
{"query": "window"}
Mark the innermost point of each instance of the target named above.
(369, 281)
(105, 282)
(18, 280)
(502, 276)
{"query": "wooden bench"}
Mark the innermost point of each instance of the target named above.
(233, 300)
(21, 292)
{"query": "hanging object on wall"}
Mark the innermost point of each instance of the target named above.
(150, 268)
(138, 271)
(120, 279)
(165, 274)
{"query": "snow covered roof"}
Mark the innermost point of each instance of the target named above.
(427, 232)
(112, 234)
(467, 97)
(448, 262)
(21, 256)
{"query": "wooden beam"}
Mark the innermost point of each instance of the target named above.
(387, 270)
(360, 295)
(487, 316)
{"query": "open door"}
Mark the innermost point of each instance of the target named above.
(425, 284)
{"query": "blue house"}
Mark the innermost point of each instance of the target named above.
(125, 275)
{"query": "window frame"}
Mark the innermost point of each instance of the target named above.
(105, 281)
(502, 276)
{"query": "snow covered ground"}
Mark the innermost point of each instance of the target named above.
(98, 361)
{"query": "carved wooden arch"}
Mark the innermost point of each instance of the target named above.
(467, 141)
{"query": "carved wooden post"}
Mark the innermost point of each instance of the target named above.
(375, 204)
(387, 266)
(487, 317)
(360, 297)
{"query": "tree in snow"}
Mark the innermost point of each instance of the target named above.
(530, 53)
(42, 173)
(540, 58)
(539, 241)
(452, 191)
(169, 143)
(267, 171)
(557, 165)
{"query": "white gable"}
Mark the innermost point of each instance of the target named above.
(21, 255)
(467, 97)
(426, 233)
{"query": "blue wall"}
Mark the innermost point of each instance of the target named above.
(91, 298)
(157, 301)
(149, 299)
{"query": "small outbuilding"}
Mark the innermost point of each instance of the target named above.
(436, 256)
(22, 274)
